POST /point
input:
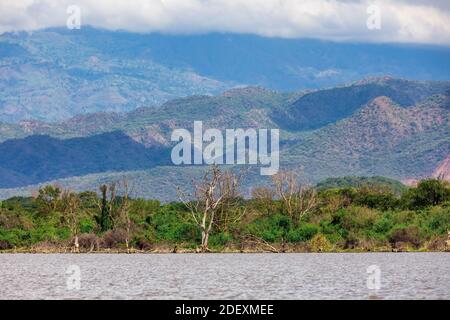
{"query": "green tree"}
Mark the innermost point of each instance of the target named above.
(105, 220)
(48, 198)
(430, 192)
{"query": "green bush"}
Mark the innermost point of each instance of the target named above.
(220, 239)
(383, 225)
(304, 232)
(273, 228)
(376, 199)
(87, 225)
(438, 220)
(171, 225)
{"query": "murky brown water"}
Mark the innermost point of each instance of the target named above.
(224, 276)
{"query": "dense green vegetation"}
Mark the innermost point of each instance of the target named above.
(370, 217)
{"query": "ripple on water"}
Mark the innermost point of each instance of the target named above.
(226, 276)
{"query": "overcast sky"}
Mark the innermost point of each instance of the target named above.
(416, 21)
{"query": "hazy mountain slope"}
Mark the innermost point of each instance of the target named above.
(50, 76)
(236, 108)
(380, 139)
(159, 182)
(245, 107)
(316, 109)
(55, 74)
(284, 64)
(41, 158)
(359, 182)
(443, 170)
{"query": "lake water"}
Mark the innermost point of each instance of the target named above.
(225, 276)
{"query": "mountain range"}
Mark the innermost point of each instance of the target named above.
(55, 74)
(85, 107)
(382, 126)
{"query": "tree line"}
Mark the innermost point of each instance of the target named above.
(213, 215)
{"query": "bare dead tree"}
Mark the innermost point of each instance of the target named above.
(261, 242)
(229, 211)
(216, 190)
(122, 218)
(264, 198)
(112, 200)
(70, 203)
(297, 199)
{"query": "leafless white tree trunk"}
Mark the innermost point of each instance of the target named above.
(70, 204)
(297, 199)
(216, 190)
(121, 216)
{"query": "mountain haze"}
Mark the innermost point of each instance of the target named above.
(55, 74)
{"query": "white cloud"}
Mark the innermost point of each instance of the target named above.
(401, 20)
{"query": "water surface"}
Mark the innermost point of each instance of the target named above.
(224, 276)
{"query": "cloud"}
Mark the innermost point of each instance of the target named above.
(415, 21)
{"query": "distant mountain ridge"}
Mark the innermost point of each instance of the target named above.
(236, 108)
(323, 107)
(52, 75)
(241, 107)
(55, 74)
(382, 138)
(371, 135)
(40, 158)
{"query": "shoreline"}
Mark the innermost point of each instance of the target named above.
(224, 251)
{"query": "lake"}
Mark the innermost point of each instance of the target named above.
(226, 276)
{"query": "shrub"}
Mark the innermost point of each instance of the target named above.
(302, 233)
(113, 238)
(409, 235)
(87, 225)
(221, 239)
(383, 225)
(320, 243)
(273, 228)
(170, 225)
(142, 244)
(404, 217)
(376, 199)
(438, 220)
(88, 241)
(334, 200)
(14, 237)
(437, 243)
(352, 240)
(359, 218)
(9, 221)
(5, 245)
